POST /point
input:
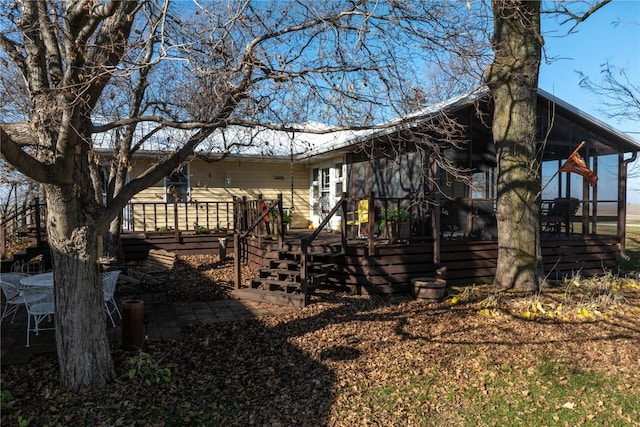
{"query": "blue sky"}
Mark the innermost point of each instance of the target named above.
(612, 35)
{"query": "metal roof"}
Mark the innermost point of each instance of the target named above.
(313, 146)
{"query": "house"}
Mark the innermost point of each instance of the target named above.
(450, 217)
(325, 179)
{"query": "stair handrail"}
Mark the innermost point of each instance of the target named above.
(239, 238)
(305, 243)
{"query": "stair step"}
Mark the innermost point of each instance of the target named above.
(280, 273)
(316, 280)
(277, 298)
(324, 267)
(276, 285)
(275, 263)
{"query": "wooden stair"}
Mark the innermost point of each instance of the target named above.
(281, 282)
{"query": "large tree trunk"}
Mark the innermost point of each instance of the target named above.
(84, 355)
(513, 79)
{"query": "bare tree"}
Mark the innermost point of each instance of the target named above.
(620, 94)
(513, 79)
(106, 70)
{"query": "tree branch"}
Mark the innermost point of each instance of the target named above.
(14, 154)
(54, 59)
(583, 17)
(9, 46)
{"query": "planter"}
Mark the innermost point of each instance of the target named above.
(396, 231)
(429, 288)
(132, 324)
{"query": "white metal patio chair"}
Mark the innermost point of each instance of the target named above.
(109, 281)
(19, 267)
(40, 306)
(10, 283)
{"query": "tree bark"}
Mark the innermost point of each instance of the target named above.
(513, 79)
(84, 354)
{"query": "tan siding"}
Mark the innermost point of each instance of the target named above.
(155, 193)
(248, 178)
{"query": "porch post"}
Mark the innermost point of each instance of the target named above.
(585, 206)
(622, 201)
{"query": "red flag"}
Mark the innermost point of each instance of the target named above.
(576, 164)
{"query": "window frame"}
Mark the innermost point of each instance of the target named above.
(183, 170)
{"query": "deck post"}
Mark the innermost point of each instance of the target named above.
(280, 223)
(245, 213)
(371, 224)
(176, 228)
(237, 270)
(343, 221)
(304, 263)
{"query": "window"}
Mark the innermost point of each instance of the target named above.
(177, 185)
(483, 185)
(326, 178)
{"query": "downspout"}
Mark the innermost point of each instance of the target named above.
(622, 205)
(435, 218)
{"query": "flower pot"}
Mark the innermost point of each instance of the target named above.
(429, 288)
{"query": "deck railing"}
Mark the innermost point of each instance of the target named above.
(193, 216)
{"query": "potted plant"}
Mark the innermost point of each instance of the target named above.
(396, 223)
(286, 219)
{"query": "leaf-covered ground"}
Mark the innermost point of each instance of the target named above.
(569, 355)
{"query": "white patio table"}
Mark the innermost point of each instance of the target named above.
(43, 280)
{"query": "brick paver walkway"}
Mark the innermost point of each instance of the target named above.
(165, 322)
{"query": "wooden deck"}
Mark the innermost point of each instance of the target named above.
(391, 267)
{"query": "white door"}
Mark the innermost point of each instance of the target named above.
(326, 189)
